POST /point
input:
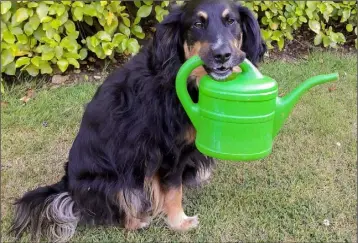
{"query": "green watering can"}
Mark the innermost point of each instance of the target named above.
(238, 118)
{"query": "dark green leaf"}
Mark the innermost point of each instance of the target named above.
(137, 3)
(33, 42)
(133, 46)
(123, 45)
(107, 48)
(42, 11)
(281, 43)
(45, 68)
(314, 26)
(22, 61)
(345, 15)
(58, 51)
(22, 38)
(99, 52)
(318, 39)
(326, 41)
(57, 37)
(62, 64)
(111, 29)
(311, 4)
(60, 9)
(47, 53)
(83, 53)
(303, 19)
(39, 33)
(46, 19)
(6, 17)
(118, 38)
(266, 34)
(124, 29)
(55, 24)
(90, 10)
(32, 70)
(291, 20)
(6, 57)
(88, 20)
(71, 55)
(10, 69)
(34, 22)
(103, 36)
(63, 18)
(144, 11)
(21, 14)
(70, 26)
(94, 41)
(8, 37)
(148, 2)
(349, 27)
(5, 6)
(78, 13)
(78, 4)
(136, 20)
(16, 30)
(73, 62)
(126, 21)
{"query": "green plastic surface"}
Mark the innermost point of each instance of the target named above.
(238, 118)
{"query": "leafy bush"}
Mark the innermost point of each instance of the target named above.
(36, 36)
(280, 19)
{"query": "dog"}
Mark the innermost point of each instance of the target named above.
(135, 149)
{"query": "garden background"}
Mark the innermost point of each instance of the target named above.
(54, 54)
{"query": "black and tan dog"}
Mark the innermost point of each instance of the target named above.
(135, 147)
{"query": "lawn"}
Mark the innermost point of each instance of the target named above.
(304, 191)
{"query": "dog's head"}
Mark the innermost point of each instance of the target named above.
(221, 32)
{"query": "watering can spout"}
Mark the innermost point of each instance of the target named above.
(285, 104)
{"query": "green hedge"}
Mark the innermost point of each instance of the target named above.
(326, 19)
(36, 36)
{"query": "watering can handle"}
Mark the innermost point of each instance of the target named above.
(184, 72)
(247, 67)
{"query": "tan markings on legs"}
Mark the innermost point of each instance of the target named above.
(190, 135)
(131, 204)
(225, 12)
(176, 218)
(203, 14)
(154, 190)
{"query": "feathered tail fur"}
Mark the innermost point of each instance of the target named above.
(46, 211)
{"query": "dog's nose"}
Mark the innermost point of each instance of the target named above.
(222, 55)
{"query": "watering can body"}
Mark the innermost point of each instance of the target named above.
(237, 118)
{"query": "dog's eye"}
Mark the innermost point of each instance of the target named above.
(199, 25)
(231, 21)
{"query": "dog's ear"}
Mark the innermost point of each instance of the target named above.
(167, 42)
(253, 44)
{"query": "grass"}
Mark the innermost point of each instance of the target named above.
(308, 179)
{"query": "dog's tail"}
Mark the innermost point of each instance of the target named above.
(46, 211)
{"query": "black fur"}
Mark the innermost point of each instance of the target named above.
(132, 129)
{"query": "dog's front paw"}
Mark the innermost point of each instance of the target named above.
(185, 223)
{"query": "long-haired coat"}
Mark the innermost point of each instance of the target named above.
(135, 147)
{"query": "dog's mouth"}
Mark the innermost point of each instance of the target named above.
(219, 73)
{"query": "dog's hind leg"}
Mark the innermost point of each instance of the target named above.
(134, 205)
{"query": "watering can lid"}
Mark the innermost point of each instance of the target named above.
(249, 85)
